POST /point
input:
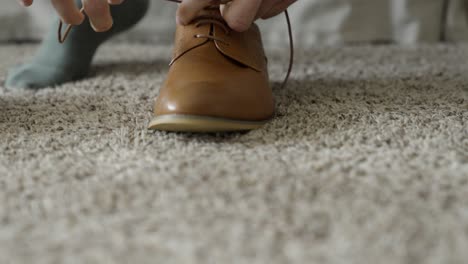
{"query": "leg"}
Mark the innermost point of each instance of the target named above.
(56, 63)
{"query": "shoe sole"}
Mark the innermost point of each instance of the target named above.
(201, 124)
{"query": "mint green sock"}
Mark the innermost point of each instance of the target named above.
(56, 63)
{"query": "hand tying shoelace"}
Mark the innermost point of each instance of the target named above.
(63, 36)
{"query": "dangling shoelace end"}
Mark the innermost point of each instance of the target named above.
(62, 36)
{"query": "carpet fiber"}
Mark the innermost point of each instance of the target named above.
(366, 162)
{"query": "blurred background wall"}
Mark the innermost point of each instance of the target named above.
(316, 22)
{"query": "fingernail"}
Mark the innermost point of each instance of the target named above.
(102, 26)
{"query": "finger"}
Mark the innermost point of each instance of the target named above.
(189, 9)
(68, 11)
(25, 2)
(99, 14)
(278, 8)
(240, 14)
(115, 2)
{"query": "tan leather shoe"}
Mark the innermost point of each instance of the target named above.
(218, 81)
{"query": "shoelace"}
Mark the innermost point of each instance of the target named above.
(63, 36)
(290, 36)
(209, 20)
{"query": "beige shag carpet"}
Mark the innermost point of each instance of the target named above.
(366, 162)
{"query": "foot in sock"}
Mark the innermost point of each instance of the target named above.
(56, 63)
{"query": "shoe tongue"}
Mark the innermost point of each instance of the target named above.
(210, 13)
(245, 48)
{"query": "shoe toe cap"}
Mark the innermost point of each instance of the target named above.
(214, 99)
